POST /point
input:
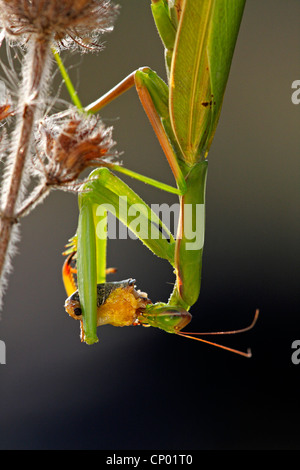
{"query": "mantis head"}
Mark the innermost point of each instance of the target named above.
(168, 318)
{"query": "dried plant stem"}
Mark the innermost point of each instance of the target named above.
(35, 68)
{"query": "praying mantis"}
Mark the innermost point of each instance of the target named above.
(199, 39)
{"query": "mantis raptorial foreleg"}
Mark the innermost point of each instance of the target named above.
(105, 192)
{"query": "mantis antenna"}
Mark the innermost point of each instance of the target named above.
(187, 334)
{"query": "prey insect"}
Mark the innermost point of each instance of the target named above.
(120, 304)
(199, 40)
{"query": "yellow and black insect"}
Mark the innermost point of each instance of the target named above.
(118, 303)
(121, 304)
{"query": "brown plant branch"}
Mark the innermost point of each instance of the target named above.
(37, 57)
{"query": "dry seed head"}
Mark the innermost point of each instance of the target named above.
(67, 21)
(66, 147)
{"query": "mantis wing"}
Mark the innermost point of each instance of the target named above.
(201, 61)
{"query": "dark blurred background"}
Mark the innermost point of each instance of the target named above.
(140, 388)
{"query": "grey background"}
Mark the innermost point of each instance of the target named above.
(142, 388)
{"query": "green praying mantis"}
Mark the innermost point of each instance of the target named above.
(199, 38)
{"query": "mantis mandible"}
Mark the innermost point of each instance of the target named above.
(199, 40)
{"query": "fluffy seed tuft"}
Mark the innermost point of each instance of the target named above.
(68, 22)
